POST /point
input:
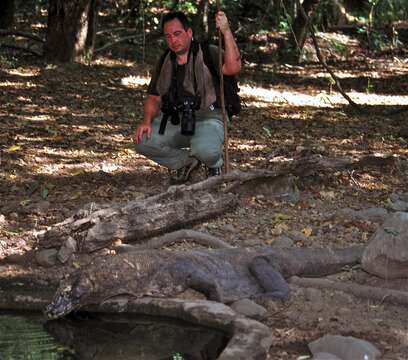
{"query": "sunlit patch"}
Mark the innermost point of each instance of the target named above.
(24, 72)
(38, 117)
(135, 81)
(18, 84)
(264, 98)
(250, 147)
(112, 62)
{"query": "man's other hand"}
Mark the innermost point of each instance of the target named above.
(142, 129)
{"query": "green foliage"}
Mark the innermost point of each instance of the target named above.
(370, 86)
(177, 356)
(8, 62)
(284, 25)
(338, 46)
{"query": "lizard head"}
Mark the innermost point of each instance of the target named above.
(68, 296)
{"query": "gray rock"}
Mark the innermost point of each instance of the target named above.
(325, 356)
(68, 248)
(386, 255)
(39, 207)
(402, 197)
(249, 308)
(298, 236)
(283, 241)
(47, 257)
(280, 188)
(315, 297)
(398, 205)
(373, 214)
(229, 228)
(345, 348)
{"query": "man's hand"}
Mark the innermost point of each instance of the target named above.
(221, 22)
(142, 129)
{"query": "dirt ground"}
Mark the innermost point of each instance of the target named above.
(65, 142)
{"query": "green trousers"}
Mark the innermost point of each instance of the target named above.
(172, 149)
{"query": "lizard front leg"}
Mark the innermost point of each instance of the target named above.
(202, 282)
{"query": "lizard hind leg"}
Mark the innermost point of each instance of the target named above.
(270, 279)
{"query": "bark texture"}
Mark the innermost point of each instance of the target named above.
(71, 29)
(137, 220)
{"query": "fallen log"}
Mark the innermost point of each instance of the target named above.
(137, 220)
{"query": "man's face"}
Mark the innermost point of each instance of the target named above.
(178, 40)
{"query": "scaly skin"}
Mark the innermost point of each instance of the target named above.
(224, 275)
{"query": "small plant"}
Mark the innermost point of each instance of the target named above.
(369, 87)
(283, 26)
(8, 62)
(338, 46)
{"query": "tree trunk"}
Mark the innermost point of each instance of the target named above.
(7, 8)
(276, 12)
(71, 29)
(200, 22)
(134, 12)
(300, 26)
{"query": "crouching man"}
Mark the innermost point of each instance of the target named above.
(182, 122)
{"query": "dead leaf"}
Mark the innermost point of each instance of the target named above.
(307, 231)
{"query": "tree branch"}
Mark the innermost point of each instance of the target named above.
(323, 62)
(21, 34)
(106, 46)
(21, 48)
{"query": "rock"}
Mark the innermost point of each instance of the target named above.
(3, 220)
(40, 207)
(395, 197)
(283, 241)
(249, 308)
(298, 236)
(398, 205)
(345, 348)
(229, 228)
(386, 255)
(374, 214)
(252, 242)
(47, 257)
(67, 249)
(13, 216)
(315, 297)
(279, 188)
(325, 356)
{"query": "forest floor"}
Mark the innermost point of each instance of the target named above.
(65, 141)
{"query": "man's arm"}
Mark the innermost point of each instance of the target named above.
(232, 57)
(150, 110)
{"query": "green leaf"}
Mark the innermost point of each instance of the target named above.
(44, 192)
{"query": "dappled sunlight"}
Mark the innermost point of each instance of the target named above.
(18, 84)
(23, 72)
(253, 95)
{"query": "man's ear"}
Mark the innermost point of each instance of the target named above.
(190, 32)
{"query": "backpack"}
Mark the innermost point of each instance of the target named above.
(231, 89)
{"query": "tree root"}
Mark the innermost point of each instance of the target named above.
(362, 291)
